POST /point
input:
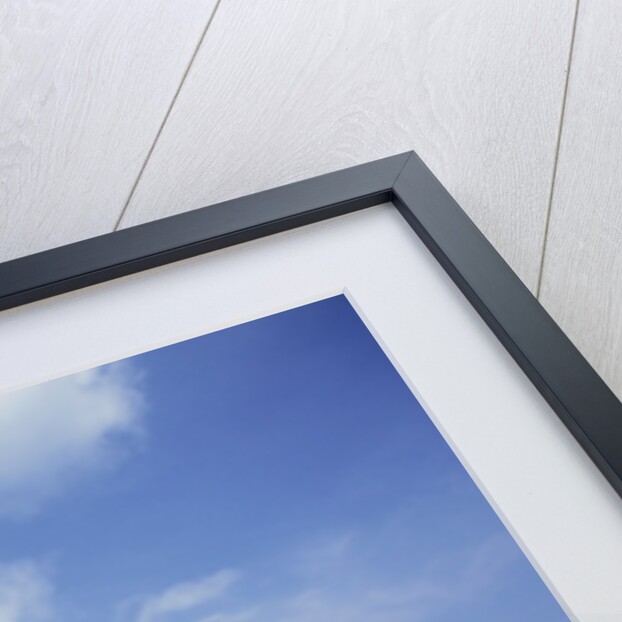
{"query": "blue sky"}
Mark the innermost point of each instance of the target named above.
(277, 471)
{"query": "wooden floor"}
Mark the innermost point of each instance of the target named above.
(113, 114)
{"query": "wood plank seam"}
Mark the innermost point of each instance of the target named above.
(167, 114)
(547, 218)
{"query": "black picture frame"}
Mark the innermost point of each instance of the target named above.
(572, 388)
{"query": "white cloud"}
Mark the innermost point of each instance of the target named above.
(338, 584)
(186, 596)
(25, 593)
(437, 587)
(54, 432)
(324, 556)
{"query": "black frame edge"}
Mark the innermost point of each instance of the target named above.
(572, 388)
(113, 255)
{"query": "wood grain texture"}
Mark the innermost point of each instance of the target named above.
(84, 87)
(282, 91)
(582, 275)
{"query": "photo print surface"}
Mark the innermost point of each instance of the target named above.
(275, 471)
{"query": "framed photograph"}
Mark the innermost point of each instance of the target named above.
(330, 401)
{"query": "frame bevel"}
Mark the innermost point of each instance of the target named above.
(572, 388)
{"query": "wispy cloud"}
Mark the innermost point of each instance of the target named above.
(324, 556)
(54, 432)
(187, 596)
(25, 593)
(331, 581)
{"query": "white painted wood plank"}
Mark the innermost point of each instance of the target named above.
(282, 91)
(582, 275)
(84, 87)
